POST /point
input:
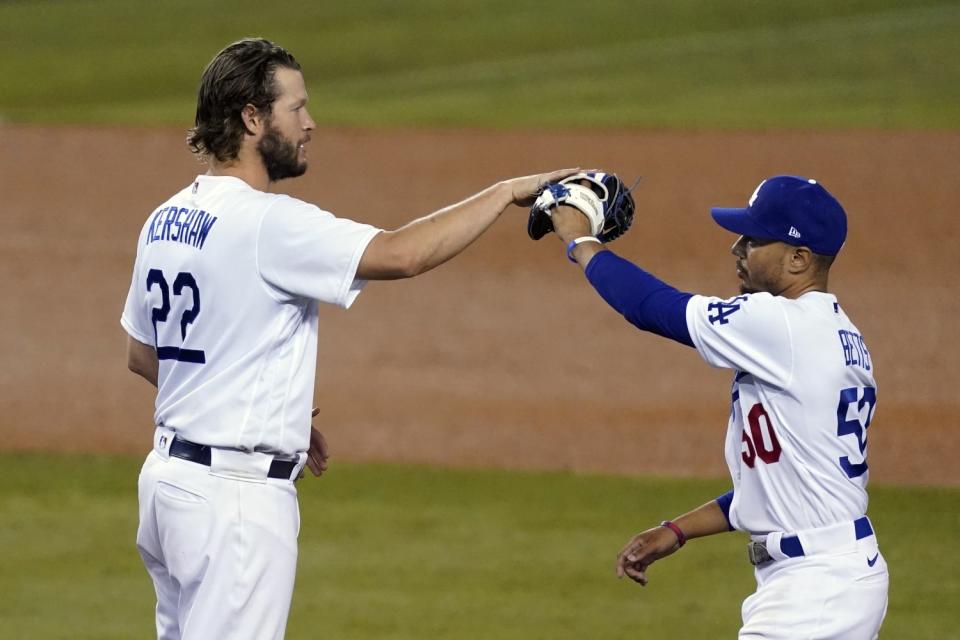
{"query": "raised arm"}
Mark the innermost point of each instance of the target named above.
(430, 241)
(644, 300)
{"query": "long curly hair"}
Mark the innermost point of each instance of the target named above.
(241, 74)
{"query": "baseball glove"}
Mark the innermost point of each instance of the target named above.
(602, 197)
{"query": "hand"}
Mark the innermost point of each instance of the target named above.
(318, 453)
(592, 203)
(570, 223)
(643, 550)
(524, 190)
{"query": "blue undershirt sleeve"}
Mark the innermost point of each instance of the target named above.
(724, 502)
(647, 302)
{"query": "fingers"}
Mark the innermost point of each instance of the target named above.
(319, 444)
(560, 174)
(630, 549)
(526, 189)
(637, 555)
(316, 465)
(318, 453)
(633, 568)
(636, 574)
(625, 558)
(554, 176)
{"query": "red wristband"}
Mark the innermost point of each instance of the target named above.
(681, 539)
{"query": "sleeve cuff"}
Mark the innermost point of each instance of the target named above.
(136, 335)
(724, 503)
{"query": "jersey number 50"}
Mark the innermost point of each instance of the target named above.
(755, 444)
(183, 281)
(854, 413)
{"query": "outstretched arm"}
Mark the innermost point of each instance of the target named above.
(431, 240)
(647, 547)
(647, 302)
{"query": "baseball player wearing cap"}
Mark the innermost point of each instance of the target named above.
(803, 396)
(222, 319)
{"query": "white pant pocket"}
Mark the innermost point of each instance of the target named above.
(185, 522)
(176, 492)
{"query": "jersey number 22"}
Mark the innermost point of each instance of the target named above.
(183, 281)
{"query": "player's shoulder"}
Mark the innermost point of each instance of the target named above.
(231, 194)
(181, 198)
(176, 199)
(758, 299)
(234, 196)
(816, 307)
(744, 307)
(748, 332)
(173, 203)
(283, 203)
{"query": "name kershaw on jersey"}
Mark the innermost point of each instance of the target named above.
(189, 226)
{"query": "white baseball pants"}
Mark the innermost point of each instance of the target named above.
(837, 591)
(220, 545)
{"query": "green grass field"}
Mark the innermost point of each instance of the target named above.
(413, 552)
(499, 63)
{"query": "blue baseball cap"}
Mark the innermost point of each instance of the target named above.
(791, 209)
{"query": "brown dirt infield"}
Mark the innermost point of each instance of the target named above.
(504, 357)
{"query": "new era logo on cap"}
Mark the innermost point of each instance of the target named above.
(781, 206)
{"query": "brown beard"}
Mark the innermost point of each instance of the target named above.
(279, 156)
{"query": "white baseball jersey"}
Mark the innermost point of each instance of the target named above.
(226, 286)
(803, 397)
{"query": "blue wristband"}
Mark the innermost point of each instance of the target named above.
(573, 243)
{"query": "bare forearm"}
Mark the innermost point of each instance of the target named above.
(449, 231)
(705, 520)
(651, 545)
(430, 241)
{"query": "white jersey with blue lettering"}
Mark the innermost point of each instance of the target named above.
(226, 286)
(802, 399)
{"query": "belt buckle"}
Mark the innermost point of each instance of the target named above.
(757, 553)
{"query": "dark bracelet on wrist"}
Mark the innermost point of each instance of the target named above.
(681, 538)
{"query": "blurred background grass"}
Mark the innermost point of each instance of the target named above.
(503, 63)
(389, 551)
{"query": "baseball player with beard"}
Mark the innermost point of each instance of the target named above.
(222, 319)
(802, 398)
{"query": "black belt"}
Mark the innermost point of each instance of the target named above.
(200, 453)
